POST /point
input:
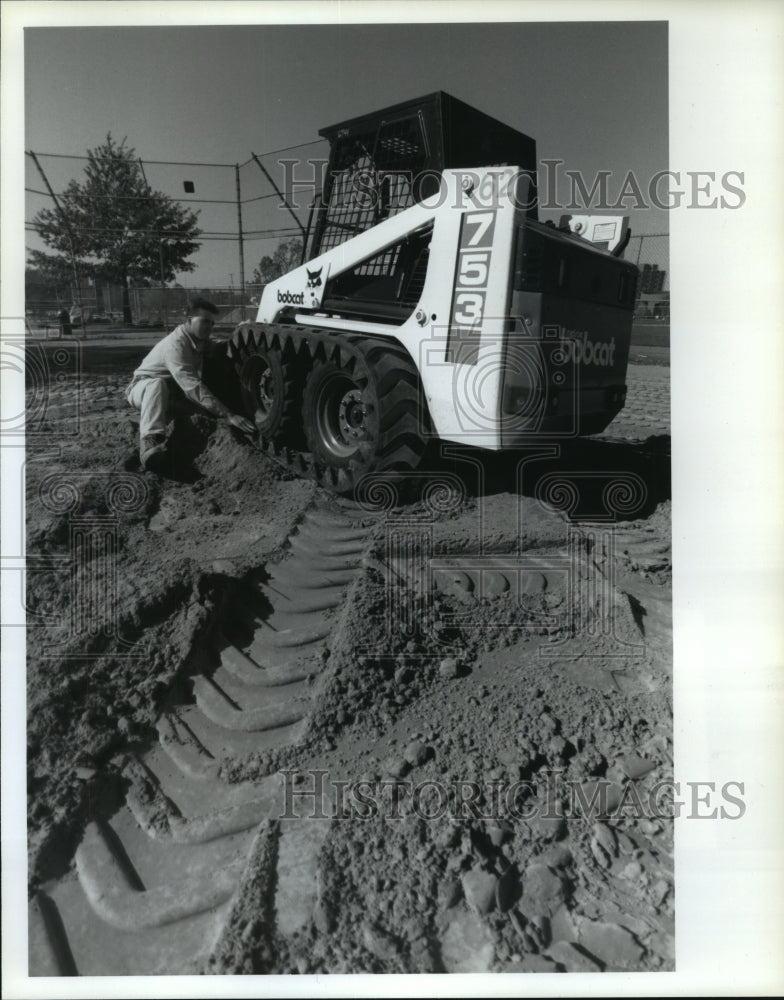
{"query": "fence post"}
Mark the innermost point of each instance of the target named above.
(67, 224)
(164, 310)
(282, 197)
(239, 232)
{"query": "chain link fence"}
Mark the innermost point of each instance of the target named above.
(244, 210)
(166, 307)
(651, 254)
(155, 307)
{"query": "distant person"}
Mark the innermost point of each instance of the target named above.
(178, 358)
(64, 319)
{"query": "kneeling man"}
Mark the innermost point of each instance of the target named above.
(178, 358)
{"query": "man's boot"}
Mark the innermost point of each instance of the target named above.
(153, 453)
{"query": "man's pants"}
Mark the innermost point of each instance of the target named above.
(159, 402)
(151, 397)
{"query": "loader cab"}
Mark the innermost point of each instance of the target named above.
(381, 164)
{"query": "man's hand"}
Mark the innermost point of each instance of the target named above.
(241, 423)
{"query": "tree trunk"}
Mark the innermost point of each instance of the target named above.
(126, 303)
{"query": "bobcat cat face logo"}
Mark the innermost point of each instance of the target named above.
(314, 277)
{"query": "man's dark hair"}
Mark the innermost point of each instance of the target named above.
(198, 303)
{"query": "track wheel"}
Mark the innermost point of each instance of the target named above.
(360, 412)
(268, 390)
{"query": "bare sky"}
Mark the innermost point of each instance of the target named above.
(591, 94)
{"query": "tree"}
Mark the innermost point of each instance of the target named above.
(287, 256)
(118, 228)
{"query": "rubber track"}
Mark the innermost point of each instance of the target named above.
(244, 350)
(403, 423)
(152, 886)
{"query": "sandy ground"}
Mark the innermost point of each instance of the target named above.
(523, 642)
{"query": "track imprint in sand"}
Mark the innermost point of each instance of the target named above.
(151, 885)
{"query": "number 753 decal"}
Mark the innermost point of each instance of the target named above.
(473, 269)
